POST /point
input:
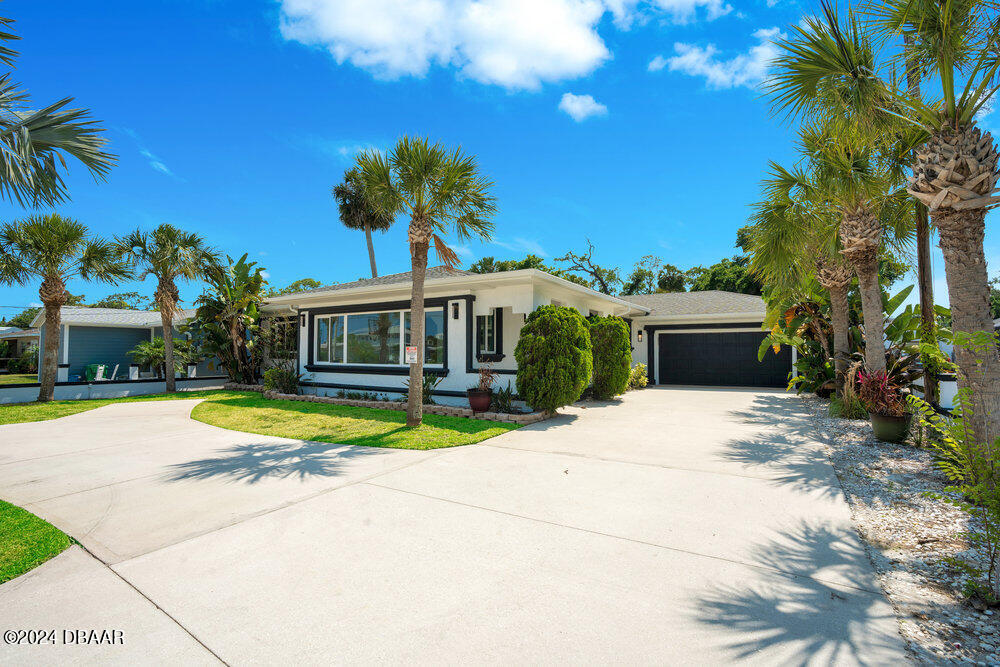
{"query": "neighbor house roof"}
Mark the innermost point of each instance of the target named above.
(14, 332)
(433, 272)
(110, 317)
(693, 304)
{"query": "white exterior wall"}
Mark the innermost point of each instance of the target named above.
(82, 391)
(516, 298)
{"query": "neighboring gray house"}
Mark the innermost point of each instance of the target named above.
(105, 336)
(18, 340)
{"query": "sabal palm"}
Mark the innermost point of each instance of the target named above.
(169, 254)
(34, 142)
(956, 171)
(442, 191)
(793, 239)
(55, 250)
(357, 213)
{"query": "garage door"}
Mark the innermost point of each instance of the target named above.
(726, 358)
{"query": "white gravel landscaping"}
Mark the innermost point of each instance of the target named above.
(910, 536)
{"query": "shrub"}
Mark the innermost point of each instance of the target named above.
(281, 380)
(637, 378)
(26, 362)
(554, 359)
(611, 341)
(503, 400)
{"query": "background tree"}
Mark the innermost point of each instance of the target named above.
(297, 286)
(122, 301)
(23, 319)
(603, 279)
(35, 142)
(492, 265)
(169, 254)
(356, 212)
(441, 191)
(54, 249)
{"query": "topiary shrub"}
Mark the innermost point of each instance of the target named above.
(554, 359)
(611, 341)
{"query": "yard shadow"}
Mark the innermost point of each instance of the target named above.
(799, 618)
(787, 447)
(256, 462)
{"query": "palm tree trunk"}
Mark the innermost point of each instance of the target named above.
(961, 239)
(873, 315)
(840, 318)
(371, 249)
(168, 352)
(50, 353)
(419, 245)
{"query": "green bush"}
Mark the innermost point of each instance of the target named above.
(281, 380)
(611, 341)
(637, 378)
(554, 359)
(26, 362)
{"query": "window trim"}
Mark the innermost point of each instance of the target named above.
(348, 366)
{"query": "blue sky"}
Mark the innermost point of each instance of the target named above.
(634, 123)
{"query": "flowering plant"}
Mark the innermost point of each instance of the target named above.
(881, 394)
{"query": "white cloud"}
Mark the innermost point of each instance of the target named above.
(520, 244)
(156, 163)
(746, 69)
(656, 64)
(516, 44)
(265, 275)
(35, 304)
(581, 107)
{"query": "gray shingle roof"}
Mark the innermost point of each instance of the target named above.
(391, 279)
(699, 303)
(14, 332)
(115, 316)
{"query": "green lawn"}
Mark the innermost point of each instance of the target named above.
(343, 425)
(25, 541)
(36, 412)
(18, 378)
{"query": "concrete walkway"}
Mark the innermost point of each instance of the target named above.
(679, 525)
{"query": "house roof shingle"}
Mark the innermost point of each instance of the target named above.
(711, 302)
(390, 279)
(14, 332)
(82, 315)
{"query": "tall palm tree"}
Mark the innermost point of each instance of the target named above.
(55, 249)
(357, 213)
(792, 238)
(34, 142)
(169, 254)
(441, 191)
(956, 172)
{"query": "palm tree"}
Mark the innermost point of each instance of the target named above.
(791, 239)
(167, 253)
(357, 213)
(34, 142)
(441, 191)
(56, 250)
(956, 173)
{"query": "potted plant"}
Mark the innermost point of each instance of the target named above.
(481, 395)
(885, 399)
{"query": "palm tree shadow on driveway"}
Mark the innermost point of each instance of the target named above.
(799, 617)
(252, 463)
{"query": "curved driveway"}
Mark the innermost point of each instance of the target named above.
(677, 525)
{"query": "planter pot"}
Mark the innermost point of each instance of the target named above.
(891, 429)
(479, 400)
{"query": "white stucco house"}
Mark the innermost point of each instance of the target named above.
(352, 336)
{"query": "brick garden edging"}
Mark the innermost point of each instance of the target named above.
(447, 410)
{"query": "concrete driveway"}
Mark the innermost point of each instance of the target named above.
(678, 525)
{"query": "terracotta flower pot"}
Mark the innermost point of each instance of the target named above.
(891, 429)
(479, 400)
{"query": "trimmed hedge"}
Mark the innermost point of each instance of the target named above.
(554, 358)
(612, 345)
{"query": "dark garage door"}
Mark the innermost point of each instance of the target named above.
(727, 358)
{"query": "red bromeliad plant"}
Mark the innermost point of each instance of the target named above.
(881, 394)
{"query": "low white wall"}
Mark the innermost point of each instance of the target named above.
(64, 392)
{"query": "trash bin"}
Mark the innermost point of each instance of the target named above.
(91, 371)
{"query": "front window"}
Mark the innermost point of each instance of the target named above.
(376, 338)
(486, 339)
